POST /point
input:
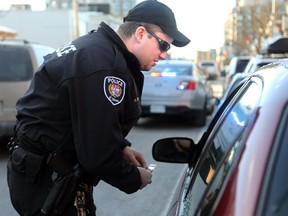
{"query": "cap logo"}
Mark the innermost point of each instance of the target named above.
(114, 89)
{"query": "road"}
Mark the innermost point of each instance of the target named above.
(150, 201)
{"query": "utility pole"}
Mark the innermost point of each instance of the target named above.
(75, 19)
(272, 16)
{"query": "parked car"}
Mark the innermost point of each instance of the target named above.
(273, 52)
(19, 59)
(177, 88)
(238, 167)
(211, 69)
(237, 78)
(237, 65)
(259, 61)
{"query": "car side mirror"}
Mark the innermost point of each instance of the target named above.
(174, 150)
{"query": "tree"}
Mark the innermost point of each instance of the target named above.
(254, 26)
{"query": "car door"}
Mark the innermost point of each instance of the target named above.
(230, 126)
(274, 191)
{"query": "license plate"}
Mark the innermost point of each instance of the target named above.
(157, 109)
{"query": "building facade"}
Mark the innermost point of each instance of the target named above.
(251, 23)
(56, 25)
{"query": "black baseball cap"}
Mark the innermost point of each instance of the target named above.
(152, 11)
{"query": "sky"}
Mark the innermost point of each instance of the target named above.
(202, 21)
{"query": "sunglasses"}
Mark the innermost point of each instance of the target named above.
(163, 45)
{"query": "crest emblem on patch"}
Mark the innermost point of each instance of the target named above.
(114, 89)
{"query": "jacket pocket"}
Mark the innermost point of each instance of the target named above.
(28, 164)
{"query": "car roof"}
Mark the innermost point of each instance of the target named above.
(248, 176)
(15, 41)
(21, 42)
(257, 61)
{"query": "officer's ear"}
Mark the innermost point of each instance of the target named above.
(140, 32)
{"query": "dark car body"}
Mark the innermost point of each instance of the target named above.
(238, 167)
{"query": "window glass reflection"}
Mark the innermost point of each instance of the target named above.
(222, 151)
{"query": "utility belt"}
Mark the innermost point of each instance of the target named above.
(66, 185)
(26, 163)
(30, 161)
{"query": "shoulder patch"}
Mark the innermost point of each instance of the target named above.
(114, 89)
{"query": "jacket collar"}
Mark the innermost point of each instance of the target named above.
(131, 58)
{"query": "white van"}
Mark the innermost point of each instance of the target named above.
(211, 68)
(19, 59)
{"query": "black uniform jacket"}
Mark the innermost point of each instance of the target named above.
(91, 87)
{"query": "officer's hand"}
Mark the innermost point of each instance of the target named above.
(146, 177)
(134, 157)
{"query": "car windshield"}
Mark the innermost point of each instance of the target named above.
(15, 64)
(208, 64)
(172, 70)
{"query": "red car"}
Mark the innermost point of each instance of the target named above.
(239, 166)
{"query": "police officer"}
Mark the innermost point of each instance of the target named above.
(80, 106)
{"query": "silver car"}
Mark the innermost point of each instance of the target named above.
(177, 88)
(19, 59)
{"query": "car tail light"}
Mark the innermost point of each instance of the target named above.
(187, 85)
(155, 74)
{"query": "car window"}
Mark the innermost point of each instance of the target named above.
(211, 170)
(208, 64)
(15, 64)
(275, 188)
(172, 70)
(262, 64)
(241, 64)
